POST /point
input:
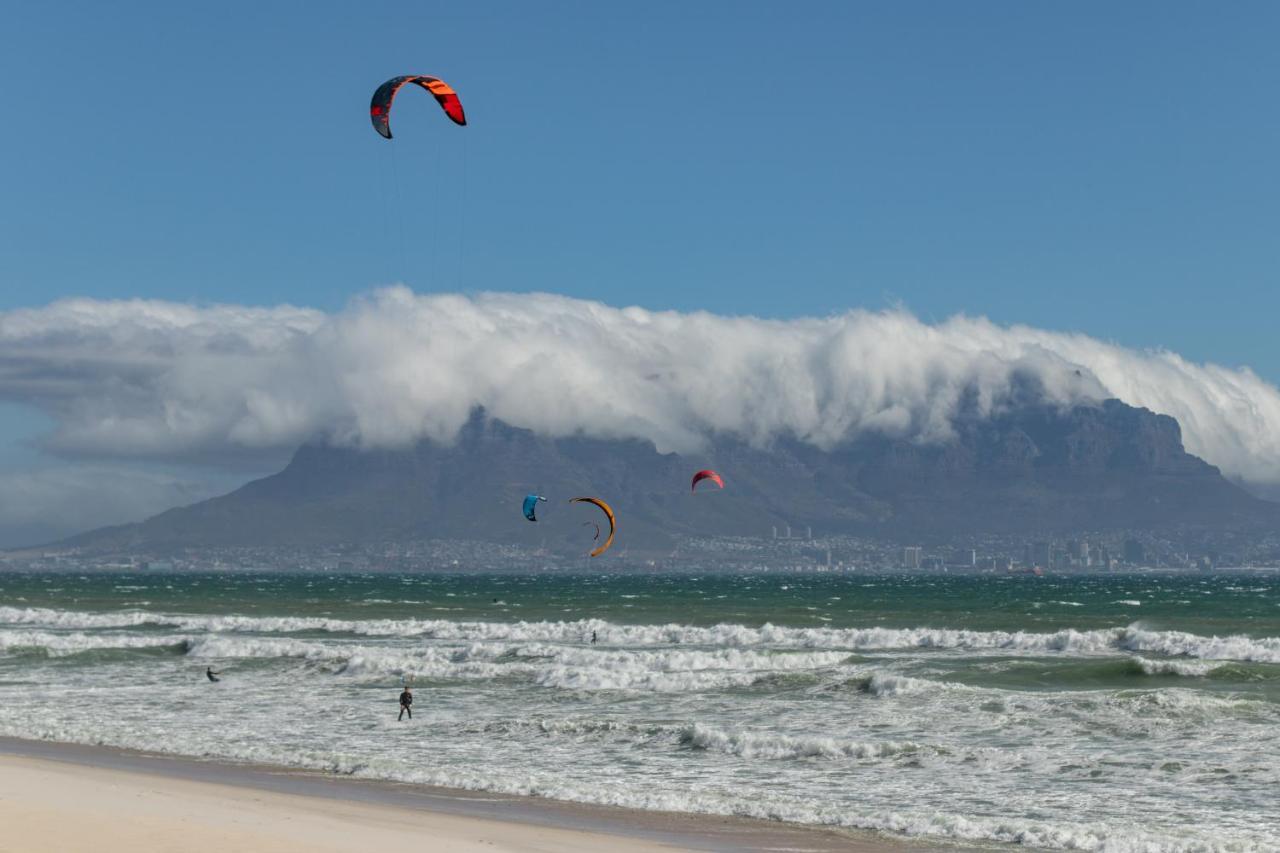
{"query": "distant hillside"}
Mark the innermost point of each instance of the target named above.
(1035, 469)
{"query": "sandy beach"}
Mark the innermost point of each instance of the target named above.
(62, 797)
(47, 805)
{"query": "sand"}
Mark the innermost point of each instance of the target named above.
(50, 806)
(69, 798)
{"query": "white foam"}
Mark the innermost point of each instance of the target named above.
(58, 645)
(1194, 669)
(1098, 641)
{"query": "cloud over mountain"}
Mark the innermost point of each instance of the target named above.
(154, 379)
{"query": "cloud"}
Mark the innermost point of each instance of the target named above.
(161, 380)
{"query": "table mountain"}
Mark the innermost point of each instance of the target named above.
(1036, 468)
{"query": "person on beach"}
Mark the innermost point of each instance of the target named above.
(406, 704)
(212, 676)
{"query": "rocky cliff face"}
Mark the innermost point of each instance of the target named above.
(1033, 469)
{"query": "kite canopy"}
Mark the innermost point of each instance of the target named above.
(706, 475)
(608, 512)
(380, 108)
(530, 504)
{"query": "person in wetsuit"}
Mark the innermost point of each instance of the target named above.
(213, 676)
(406, 704)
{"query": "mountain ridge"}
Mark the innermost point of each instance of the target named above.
(1033, 469)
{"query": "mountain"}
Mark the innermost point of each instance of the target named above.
(1036, 468)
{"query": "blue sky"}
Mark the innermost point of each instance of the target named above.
(1098, 167)
(1106, 168)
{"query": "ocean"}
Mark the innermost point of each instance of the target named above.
(1112, 713)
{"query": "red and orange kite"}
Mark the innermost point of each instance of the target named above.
(380, 108)
(706, 475)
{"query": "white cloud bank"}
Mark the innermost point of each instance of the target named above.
(158, 379)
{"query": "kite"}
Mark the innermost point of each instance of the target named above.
(706, 475)
(608, 513)
(530, 504)
(380, 108)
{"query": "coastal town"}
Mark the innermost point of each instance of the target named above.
(787, 550)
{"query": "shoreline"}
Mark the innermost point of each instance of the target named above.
(358, 804)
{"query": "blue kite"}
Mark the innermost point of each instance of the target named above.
(531, 503)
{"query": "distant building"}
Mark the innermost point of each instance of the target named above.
(1078, 553)
(1042, 555)
(912, 556)
(964, 558)
(1134, 554)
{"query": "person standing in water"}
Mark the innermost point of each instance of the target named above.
(593, 638)
(406, 703)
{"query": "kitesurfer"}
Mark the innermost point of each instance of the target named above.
(593, 638)
(406, 703)
(212, 676)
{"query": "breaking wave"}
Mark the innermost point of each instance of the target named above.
(773, 746)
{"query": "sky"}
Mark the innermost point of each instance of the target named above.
(1084, 169)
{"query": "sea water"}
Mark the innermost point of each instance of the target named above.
(1115, 713)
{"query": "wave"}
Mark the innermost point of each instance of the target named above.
(1132, 639)
(1190, 669)
(893, 684)
(63, 645)
(574, 727)
(1144, 707)
(697, 736)
(776, 746)
(577, 668)
(565, 667)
